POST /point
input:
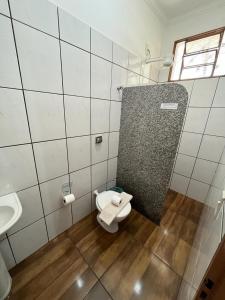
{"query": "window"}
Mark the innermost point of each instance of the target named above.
(199, 56)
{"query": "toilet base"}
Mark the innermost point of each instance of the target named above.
(114, 227)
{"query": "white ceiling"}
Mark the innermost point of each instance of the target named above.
(170, 9)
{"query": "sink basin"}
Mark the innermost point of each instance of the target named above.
(10, 211)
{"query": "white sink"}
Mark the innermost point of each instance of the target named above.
(10, 211)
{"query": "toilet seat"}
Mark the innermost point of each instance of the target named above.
(104, 199)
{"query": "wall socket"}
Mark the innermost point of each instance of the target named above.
(98, 139)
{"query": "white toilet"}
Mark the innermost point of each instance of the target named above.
(104, 198)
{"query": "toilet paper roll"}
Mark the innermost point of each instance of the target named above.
(68, 199)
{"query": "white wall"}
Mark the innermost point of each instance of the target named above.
(130, 23)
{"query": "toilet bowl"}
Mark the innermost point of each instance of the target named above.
(103, 199)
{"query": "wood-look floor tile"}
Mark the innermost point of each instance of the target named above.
(101, 262)
(36, 263)
(45, 278)
(172, 223)
(97, 234)
(129, 267)
(98, 293)
(82, 228)
(158, 282)
(140, 228)
(76, 281)
(140, 275)
(173, 251)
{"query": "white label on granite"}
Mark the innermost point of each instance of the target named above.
(169, 105)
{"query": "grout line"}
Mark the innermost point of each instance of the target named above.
(186, 194)
(35, 28)
(181, 133)
(91, 124)
(21, 79)
(58, 139)
(64, 110)
(110, 104)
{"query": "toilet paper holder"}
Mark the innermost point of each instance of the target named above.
(66, 188)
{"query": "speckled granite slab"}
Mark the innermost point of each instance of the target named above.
(148, 141)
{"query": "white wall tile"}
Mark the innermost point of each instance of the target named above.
(222, 161)
(188, 84)
(81, 182)
(111, 184)
(7, 254)
(81, 208)
(120, 56)
(190, 143)
(58, 221)
(9, 71)
(76, 70)
(204, 170)
(196, 119)
(133, 79)
(51, 193)
(113, 144)
(15, 161)
(100, 45)
(115, 113)
(99, 174)
(13, 120)
(134, 63)
(28, 240)
(203, 92)
(100, 77)
(211, 148)
(99, 151)
(79, 150)
(99, 116)
(39, 59)
(46, 116)
(51, 159)
(146, 71)
(112, 169)
(184, 165)
(4, 9)
(32, 208)
(144, 81)
(40, 14)
(179, 183)
(216, 122)
(197, 190)
(74, 31)
(77, 110)
(219, 179)
(219, 100)
(119, 78)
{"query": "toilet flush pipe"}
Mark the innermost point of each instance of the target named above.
(96, 192)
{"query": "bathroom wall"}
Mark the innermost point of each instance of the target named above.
(58, 91)
(130, 23)
(203, 139)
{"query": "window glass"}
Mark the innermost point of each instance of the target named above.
(199, 56)
(203, 44)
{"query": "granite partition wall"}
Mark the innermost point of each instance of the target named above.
(149, 138)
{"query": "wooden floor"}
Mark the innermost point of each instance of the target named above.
(141, 261)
